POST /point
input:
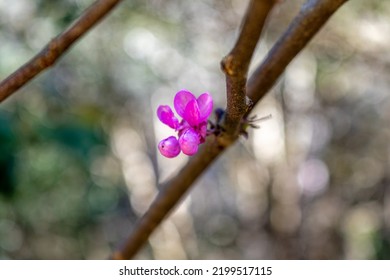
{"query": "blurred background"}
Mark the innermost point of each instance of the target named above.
(78, 157)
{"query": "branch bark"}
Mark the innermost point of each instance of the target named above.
(235, 65)
(169, 195)
(56, 47)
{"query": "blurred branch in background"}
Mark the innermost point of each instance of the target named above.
(311, 18)
(56, 48)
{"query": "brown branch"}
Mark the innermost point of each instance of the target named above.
(307, 23)
(169, 194)
(235, 66)
(56, 47)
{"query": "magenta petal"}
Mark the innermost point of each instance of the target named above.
(191, 113)
(205, 103)
(181, 100)
(167, 117)
(189, 142)
(203, 131)
(169, 147)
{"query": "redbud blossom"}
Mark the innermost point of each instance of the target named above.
(192, 129)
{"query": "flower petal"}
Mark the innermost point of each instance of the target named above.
(189, 142)
(181, 100)
(205, 103)
(169, 147)
(202, 131)
(167, 117)
(191, 113)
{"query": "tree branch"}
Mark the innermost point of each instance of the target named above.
(56, 47)
(307, 23)
(235, 65)
(169, 195)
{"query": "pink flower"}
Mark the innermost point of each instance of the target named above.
(192, 129)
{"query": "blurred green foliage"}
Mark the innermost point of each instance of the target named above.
(7, 156)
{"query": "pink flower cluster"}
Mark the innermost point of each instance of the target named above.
(192, 129)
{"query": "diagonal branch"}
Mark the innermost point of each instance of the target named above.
(169, 195)
(307, 23)
(235, 65)
(56, 47)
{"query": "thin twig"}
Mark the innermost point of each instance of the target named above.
(56, 47)
(235, 66)
(307, 23)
